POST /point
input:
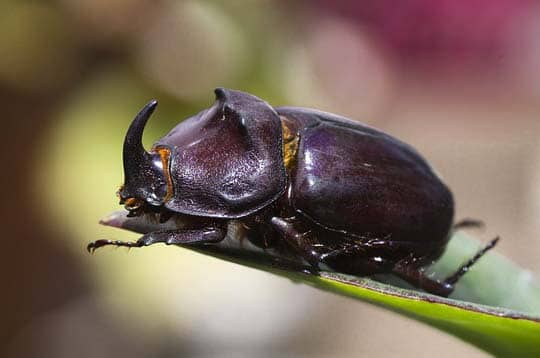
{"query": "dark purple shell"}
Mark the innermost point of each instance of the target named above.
(226, 161)
(353, 178)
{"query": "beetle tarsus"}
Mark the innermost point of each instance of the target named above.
(452, 279)
(468, 224)
(93, 246)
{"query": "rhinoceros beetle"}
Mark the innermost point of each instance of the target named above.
(321, 187)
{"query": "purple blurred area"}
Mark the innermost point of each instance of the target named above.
(458, 80)
(427, 33)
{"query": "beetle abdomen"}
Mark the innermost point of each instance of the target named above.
(352, 178)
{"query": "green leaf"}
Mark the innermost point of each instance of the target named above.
(496, 306)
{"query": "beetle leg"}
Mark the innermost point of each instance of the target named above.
(297, 240)
(411, 273)
(414, 275)
(468, 224)
(173, 237)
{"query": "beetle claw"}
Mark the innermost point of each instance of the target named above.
(93, 246)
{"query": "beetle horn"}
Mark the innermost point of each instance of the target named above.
(134, 152)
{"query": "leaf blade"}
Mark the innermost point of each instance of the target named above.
(502, 331)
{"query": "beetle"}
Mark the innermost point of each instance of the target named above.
(323, 188)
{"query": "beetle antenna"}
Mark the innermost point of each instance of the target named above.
(452, 279)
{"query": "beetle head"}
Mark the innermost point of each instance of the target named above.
(144, 172)
(225, 162)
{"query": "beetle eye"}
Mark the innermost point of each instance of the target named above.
(133, 204)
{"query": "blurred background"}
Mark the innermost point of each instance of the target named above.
(459, 80)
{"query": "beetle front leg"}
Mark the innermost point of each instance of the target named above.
(172, 237)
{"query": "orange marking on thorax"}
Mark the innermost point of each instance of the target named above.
(165, 155)
(290, 145)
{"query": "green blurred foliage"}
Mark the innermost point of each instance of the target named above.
(38, 51)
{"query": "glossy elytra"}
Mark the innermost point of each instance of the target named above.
(314, 185)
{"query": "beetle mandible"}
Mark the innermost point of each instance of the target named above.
(321, 187)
